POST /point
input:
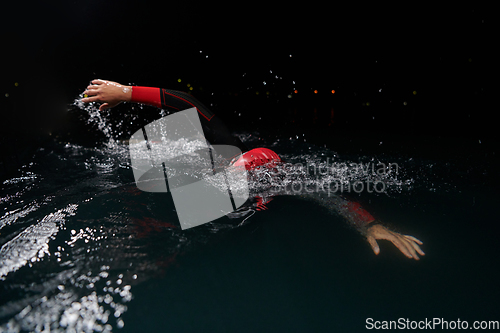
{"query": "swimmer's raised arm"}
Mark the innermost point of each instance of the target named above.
(109, 93)
(112, 93)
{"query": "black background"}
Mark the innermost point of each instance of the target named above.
(407, 69)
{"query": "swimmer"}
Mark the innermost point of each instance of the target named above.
(110, 94)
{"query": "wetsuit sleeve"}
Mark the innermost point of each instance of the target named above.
(355, 215)
(215, 131)
(360, 214)
(169, 99)
(146, 95)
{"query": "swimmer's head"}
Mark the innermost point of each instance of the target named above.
(257, 157)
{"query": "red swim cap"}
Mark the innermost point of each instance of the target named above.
(257, 157)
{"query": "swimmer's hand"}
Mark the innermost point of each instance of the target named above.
(409, 245)
(107, 92)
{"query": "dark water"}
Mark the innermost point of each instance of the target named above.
(82, 249)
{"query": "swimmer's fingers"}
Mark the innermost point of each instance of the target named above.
(91, 92)
(91, 99)
(373, 244)
(104, 106)
(408, 245)
(416, 240)
(91, 95)
(404, 246)
(413, 243)
(381, 232)
(99, 81)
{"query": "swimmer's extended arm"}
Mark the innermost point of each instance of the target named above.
(366, 224)
(373, 230)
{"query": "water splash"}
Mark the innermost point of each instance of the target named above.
(98, 118)
(296, 171)
(32, 243)
(72, 256)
